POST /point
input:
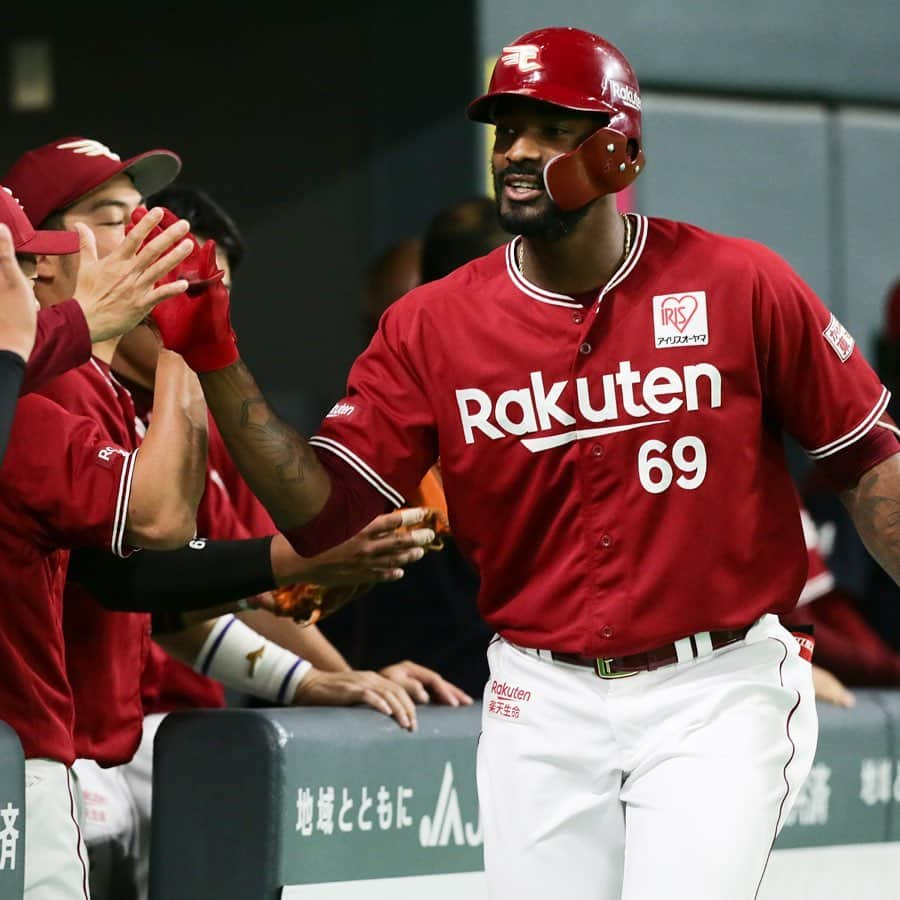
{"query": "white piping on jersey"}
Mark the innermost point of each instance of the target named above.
(367, 472)
(640, 239)
(567, 437)
(118, 534)
(104, 375)
(852, 436)
(892, 428)
(544, 296)
(110, 379)
(816, 587)
(524, 285)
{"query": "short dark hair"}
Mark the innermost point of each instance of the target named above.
(208, 219)
(459, 234)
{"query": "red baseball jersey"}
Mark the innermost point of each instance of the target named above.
(63, 484)
(61, 342)
(105, 651)
(613, 463)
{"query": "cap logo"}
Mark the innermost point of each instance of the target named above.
(90, 148)
(14, 197)
(523, 56)
(624, 94)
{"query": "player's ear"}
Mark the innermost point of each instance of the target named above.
(44, 265)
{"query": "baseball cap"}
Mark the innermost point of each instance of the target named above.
(52, 177)
(25, 238)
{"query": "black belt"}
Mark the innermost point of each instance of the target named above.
(666, 655)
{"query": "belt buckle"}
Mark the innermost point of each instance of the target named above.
(603, 669)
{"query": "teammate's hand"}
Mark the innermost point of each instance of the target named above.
(196, 323)
(830, 689)
(118, 291)
(377, 553)
(18, 308)
(424, 684)
(349, 688)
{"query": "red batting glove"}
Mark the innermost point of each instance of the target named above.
(196, 324)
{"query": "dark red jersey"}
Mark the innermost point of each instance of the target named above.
(61, 342)
(614, 465)
(63, 484)
(105, 650)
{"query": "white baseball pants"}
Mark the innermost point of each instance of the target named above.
(115, 819)
(672, 783)
(55, 857)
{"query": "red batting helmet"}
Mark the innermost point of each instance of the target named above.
(576, 70)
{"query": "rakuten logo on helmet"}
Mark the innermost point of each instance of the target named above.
(624, 393)
(523, 56)
(624, 94)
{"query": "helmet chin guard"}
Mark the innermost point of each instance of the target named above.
(603, 163)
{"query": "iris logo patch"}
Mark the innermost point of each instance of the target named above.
(679, 320)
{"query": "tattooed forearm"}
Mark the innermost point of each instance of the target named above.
(874, 506)
(289, 453)
(278, 464)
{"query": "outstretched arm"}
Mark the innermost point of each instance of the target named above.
(170, 466)
(874, 506)
(277, 463)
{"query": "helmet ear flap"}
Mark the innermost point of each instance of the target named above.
(604, 163)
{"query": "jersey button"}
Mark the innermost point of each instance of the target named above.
(607, 631)
(606, 541)
(597, 450)
(577, 318)
(584, 349)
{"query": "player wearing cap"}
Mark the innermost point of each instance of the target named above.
(65, 332)
(65, 482)
(106, 651)
(607, 396)
(17, 326)
(76, 181)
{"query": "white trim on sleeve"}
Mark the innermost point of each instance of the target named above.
(851, 437)
(817, 586)
(889, 427)
(367, 472)
(118, 534)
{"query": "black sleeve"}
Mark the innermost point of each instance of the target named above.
(200, 575)
(12, 368)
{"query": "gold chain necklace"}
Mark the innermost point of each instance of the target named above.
(520, 247)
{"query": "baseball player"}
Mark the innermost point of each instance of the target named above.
(607, 395)
(94, 187)
(18, 323)
(64, 483)
(106, 651)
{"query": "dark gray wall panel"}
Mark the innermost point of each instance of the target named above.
(757, 170)
(327, 137)
(808, 47)
(869, 189)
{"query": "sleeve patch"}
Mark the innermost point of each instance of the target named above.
(839, 338)
(341, 409)
(105, 456)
